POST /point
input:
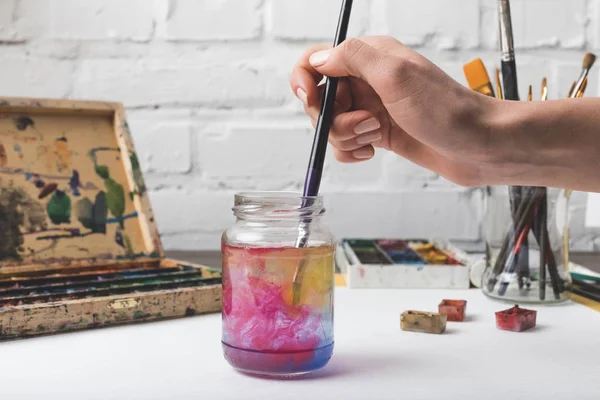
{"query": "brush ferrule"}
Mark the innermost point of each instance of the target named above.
(579, 83)
(507, 47)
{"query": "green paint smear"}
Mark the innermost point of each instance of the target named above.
(138, 315)
(115, 198)
(102, 171)
(59, 208)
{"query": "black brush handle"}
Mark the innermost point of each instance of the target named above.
(314, 172)
(542, 233)
(524, 212)
(312, 182)
(317, 156)
(587, 295)
(511, 92)
(509, 80)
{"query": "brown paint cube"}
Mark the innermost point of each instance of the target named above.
(454, 309)
(425, 322)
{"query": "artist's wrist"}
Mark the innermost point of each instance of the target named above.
(508, 154)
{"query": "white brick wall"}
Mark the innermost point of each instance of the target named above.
(206, 87)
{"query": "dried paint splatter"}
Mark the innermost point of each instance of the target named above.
(23, 122)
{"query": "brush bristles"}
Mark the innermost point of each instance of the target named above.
(476, 74)
(588, 60)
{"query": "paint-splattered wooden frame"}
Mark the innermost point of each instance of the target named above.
(25, 320)
(153, 247)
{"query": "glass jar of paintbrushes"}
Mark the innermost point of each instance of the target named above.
(524, 229)
(277, 296)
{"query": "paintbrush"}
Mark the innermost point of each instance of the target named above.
(479, 81)
(572, 89)
(586, 294)
(524, 213)
(511, 262)
(544, 95)
(478, 78)
(542, 221)
(581, 91)
(499, 85)
(578, 88)
(588, 61)
(507, 63)
(523, 270)
(317, 156)
(585, 289)
(577, 91)
(511, 92)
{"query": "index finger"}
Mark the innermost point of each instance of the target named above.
(305, 77)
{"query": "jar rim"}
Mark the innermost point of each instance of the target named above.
(262, 195)
(271, 204)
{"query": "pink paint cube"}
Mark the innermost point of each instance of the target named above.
(516, 319)
(454, 309)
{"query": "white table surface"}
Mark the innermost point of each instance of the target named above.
(373, 359)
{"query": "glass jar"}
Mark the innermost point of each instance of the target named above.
(526, 254)
(278, 282)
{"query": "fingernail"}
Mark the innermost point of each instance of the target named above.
(369, 138)
(367, 126)
(319, 58)
(302, 95)
(363, 153)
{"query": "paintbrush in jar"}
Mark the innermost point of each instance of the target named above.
(544, 95)
(511, 92)
(581, 91)
(578, 88)
(572, 89)
(507, 63)
(523, 270)
(479, 81)
(478, 78)
(577, 91)
(524, 212)
(588, 62)
(499, 85)
(317, 157)
(511, 261)
(542, 221)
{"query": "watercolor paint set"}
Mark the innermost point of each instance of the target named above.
(79, 246)
(403, 263)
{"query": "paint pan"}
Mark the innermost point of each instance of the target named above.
(423, 322)
(454, 309)
(516, 319)
(432, 254)
(400, 252)
(368, 252)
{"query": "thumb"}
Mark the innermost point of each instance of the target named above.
(353, 58)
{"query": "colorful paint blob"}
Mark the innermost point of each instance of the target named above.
(264, 332)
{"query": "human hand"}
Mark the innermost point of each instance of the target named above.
(393, 98)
